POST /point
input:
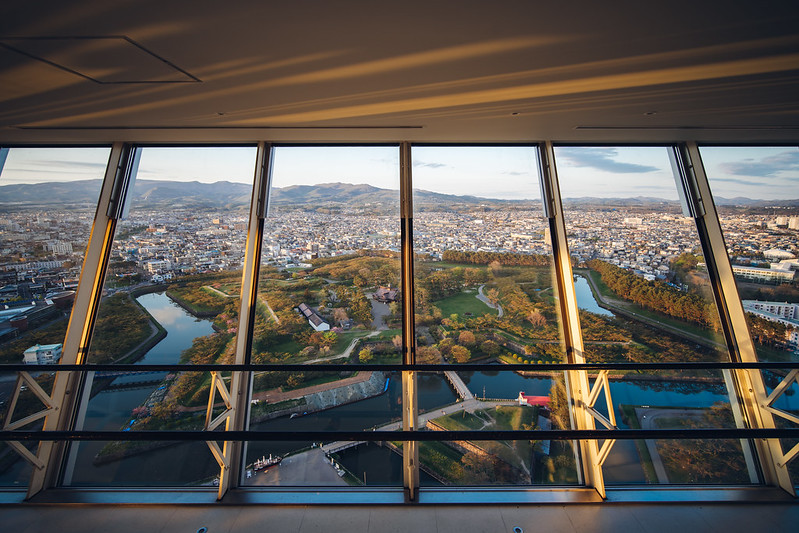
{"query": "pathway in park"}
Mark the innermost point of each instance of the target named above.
(345, 353)
(482, 297)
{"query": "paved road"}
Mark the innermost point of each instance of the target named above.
(470, 406)
(482, 298)
(380, 311)
(646, 418)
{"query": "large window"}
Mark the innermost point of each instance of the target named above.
(171, 296)
(328, 292)
(47, 201)
(645, 297)
(484, 294)
(755, 191)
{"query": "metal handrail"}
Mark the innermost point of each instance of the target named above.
(725, 365)
(373, 436)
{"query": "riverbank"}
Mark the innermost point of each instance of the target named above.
(188, 307)
(158, 334)
(321, 397)
(628, 377)
(606, 303)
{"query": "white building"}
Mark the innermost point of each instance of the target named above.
(42, 354)
(782, 309)
(776, 254)
(763, 275)
(61, 247)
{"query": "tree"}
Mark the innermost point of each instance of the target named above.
(478, 469)
(536, 318)
(340, 315)
(460, 354)
(490, 348)
(493, 296)
(466, 338)
(365, 356)
(361, 309)
(329, 338)
(397, 342)
(445, 346)
(428, 355)
(295, 380)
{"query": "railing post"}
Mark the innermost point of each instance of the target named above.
(748, 395)
(577, 387)
(410, 408)
(67, 385)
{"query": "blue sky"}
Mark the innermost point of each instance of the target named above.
(498, 172)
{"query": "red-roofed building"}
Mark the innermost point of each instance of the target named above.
(524, 399)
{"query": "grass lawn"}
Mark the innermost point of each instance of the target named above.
(462, 303)
(345, 338)
(289, 346)
(442, 460)
(327, 378)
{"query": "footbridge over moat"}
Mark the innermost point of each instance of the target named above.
(460, 387)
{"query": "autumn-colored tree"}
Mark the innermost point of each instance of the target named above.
(361, 309)
(493, 296)
(428, 355)
(365, 355)
(490, 348)
(445, 346)
(461, 354)
(340, 314)
(536, 318)
(466, 338)
(329, 338)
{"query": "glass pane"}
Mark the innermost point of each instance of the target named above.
(495, 400)
(48, 197)
(484, 294)
(328, 292)
(755, 190)
(643, 291)
(171, 296)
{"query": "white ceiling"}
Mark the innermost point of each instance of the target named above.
(368, 70)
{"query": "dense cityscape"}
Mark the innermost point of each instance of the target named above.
(44, 252)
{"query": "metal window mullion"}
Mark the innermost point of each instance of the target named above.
(748, 394)
(67, 385)
(577, 386)
(241, 382)
(410, 407)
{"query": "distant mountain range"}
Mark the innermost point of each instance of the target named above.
(228, 195)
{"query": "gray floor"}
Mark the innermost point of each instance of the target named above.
(669, 518)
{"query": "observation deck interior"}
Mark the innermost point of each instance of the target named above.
(681, 74)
